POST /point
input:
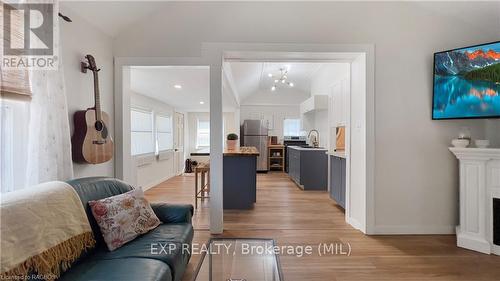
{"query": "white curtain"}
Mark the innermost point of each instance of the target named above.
(46, 143)
(49, 143)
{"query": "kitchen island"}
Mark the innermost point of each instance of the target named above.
(308, 167)
(240, 177)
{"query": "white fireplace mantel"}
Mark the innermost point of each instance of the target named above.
(479, 184)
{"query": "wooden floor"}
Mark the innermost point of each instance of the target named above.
(294, 217)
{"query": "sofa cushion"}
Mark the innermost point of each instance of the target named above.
(123, 217)
(167, 241)
(129, 269)
(173, 213)
(95, 188)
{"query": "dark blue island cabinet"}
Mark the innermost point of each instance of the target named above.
(337, 179)
(308, 167)
(240, 178)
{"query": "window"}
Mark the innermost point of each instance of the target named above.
(291, 127)
(142, 135)
(164, 136)
(203, 133)
(14, 119)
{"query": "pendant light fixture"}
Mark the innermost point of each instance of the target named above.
(282, 78)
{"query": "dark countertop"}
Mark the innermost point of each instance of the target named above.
(308, 148)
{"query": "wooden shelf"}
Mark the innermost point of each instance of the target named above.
(276, 162)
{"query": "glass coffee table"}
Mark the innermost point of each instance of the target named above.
(238, 259)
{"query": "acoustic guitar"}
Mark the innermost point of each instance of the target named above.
(91, 141)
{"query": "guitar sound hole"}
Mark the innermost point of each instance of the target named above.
(99, 126)
(104, 132)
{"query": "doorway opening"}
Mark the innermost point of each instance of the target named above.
(309, 102)
(169, 113)
(214, 56)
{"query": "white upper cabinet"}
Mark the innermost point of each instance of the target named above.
(339, 103)
(316, 102)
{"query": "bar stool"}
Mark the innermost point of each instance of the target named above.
(204, 170)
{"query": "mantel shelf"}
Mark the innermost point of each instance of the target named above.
(476, 153)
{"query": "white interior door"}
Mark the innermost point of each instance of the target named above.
(179, 143)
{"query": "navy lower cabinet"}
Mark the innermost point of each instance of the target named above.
(239, 182)
(308, 168)
(338, 180)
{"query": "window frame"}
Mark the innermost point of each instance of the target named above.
(14, 130)
(198, 146)
(285, 127)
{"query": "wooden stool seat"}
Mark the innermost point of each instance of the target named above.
(204, 170)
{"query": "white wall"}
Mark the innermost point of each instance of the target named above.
(78, 39)
(493, 132)
(321, 84)
(158, 170)
(274, 113)
(416, 176)
(326, 75)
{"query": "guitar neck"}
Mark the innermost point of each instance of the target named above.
(97, 98)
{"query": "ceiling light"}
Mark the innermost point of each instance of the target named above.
(177, 86)
(269, 75)
(202, 102)
(282, 77)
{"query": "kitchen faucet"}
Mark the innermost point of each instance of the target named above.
(315, 141)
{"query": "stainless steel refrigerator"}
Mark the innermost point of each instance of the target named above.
(255, 133)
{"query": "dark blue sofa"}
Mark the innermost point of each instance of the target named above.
(134, 260)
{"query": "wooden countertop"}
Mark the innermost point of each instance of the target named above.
(242, 151)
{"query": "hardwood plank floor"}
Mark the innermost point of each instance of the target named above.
(294, 217)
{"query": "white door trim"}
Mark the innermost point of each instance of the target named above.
(213, 54)
(122, 125)
(365, 53)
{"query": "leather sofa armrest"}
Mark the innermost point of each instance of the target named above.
(173, 213)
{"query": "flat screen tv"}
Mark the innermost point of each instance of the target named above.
(467, 83)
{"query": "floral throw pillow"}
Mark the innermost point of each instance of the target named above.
(123, 217)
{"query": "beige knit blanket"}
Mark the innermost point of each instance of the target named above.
(44, 229)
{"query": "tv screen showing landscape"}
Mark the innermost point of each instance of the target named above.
(467, 83)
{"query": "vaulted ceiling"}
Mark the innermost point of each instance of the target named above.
(257, 78)
(112, 17)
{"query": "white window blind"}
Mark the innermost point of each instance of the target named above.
(203, 133)
(291, 127)
(164, 136)
(142, 134)
(14, 83)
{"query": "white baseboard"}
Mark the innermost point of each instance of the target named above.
(413, 229)
(155, 183)
(356, 224)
